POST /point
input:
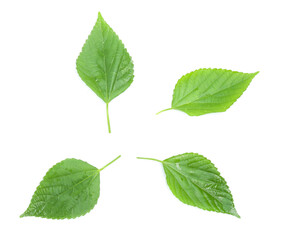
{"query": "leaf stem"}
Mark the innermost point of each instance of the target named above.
(164, 110)
(110, 163)
(153, 159)
(108, 117)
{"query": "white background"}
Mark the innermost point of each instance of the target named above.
(48, 114)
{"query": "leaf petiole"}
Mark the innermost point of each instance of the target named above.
(164, 110)
(110, 163)
(153, 159)
(108, 117)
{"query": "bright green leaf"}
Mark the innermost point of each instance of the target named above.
(195, 181)
(70, 189)
(209, 90)
(104, 64)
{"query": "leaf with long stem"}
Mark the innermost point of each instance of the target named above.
(104, 64)
(195, 181)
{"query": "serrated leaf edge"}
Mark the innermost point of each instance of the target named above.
(100, 18)
(235, 212)
(23, 214)
(179, 82)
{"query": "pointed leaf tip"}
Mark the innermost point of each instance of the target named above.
(209, 90)
(70, 189)
(104, 63)
(100, 15)
(195, 181)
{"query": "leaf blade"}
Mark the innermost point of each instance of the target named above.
(195, 181)
(104, 63)
(70, 189)
(209, 90)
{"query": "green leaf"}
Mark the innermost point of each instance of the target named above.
(195, 181)
(209, 90)
(104, 64)
(70, 189)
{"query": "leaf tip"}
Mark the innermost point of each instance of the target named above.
(100, 17)
(27, 213)
(234, 213)
(23, 215)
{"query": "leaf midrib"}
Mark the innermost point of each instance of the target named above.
(71, 187)
(103, 46)
(181, 173)
(66, 175)
(187, 95)
(207, 95)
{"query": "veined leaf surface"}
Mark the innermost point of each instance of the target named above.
(195, 181)
(104, 64)
(209, 90)
(70, 189)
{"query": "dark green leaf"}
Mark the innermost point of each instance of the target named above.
(70, 189)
